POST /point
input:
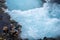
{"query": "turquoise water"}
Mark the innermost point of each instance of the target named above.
(23, 4)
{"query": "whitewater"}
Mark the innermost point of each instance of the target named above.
(39, 22)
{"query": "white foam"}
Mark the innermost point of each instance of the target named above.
(36, 23)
